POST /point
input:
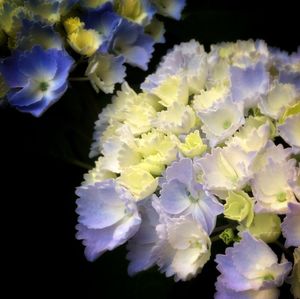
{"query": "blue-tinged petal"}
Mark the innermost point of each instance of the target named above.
(291, 78)
(108, 217)
(251, 265)
(205, 212)
(36, 109)
(141, 246)
(26, 96)
(248, 84)
(291, 225)
(96, 241)
(102, 19)
(230, 277)
(100, 205)
(174, 197)
(39, 64)
(64, 63)
(181, 170)
(248, 263)
(131, 42)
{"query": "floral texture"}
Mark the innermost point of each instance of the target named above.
(102, 35)
(208, 150)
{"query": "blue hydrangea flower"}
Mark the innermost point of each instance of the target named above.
(250, 265)
(34, 33)
(181, 195)
(131, 42)
(37, 78)
(108, 217)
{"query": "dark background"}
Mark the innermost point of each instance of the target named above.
(40, 166)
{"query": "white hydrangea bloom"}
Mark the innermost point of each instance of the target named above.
(275, 153)
(208, 98)
(279, 97)
(227, 168)
(221, 120)
(271, 187)
(183, 247)
(172, 89)
(177, 119)
(251, 140)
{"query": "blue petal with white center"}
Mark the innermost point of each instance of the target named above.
(37, 78)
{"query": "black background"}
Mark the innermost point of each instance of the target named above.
(40, 172)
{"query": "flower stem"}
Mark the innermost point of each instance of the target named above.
(79, 164)
(215, 238)
(79, 79)
(223, 227)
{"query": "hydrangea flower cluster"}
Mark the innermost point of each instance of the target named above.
(209, 149)
(105, 35)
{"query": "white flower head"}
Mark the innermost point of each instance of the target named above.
(183, 247)
(276, 153)
(221, 120)
(251, 140)
(227, 168)
(279, 97)
(271, 187)
(177, 119)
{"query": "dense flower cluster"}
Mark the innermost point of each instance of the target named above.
(213, 138)
(105, 34)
